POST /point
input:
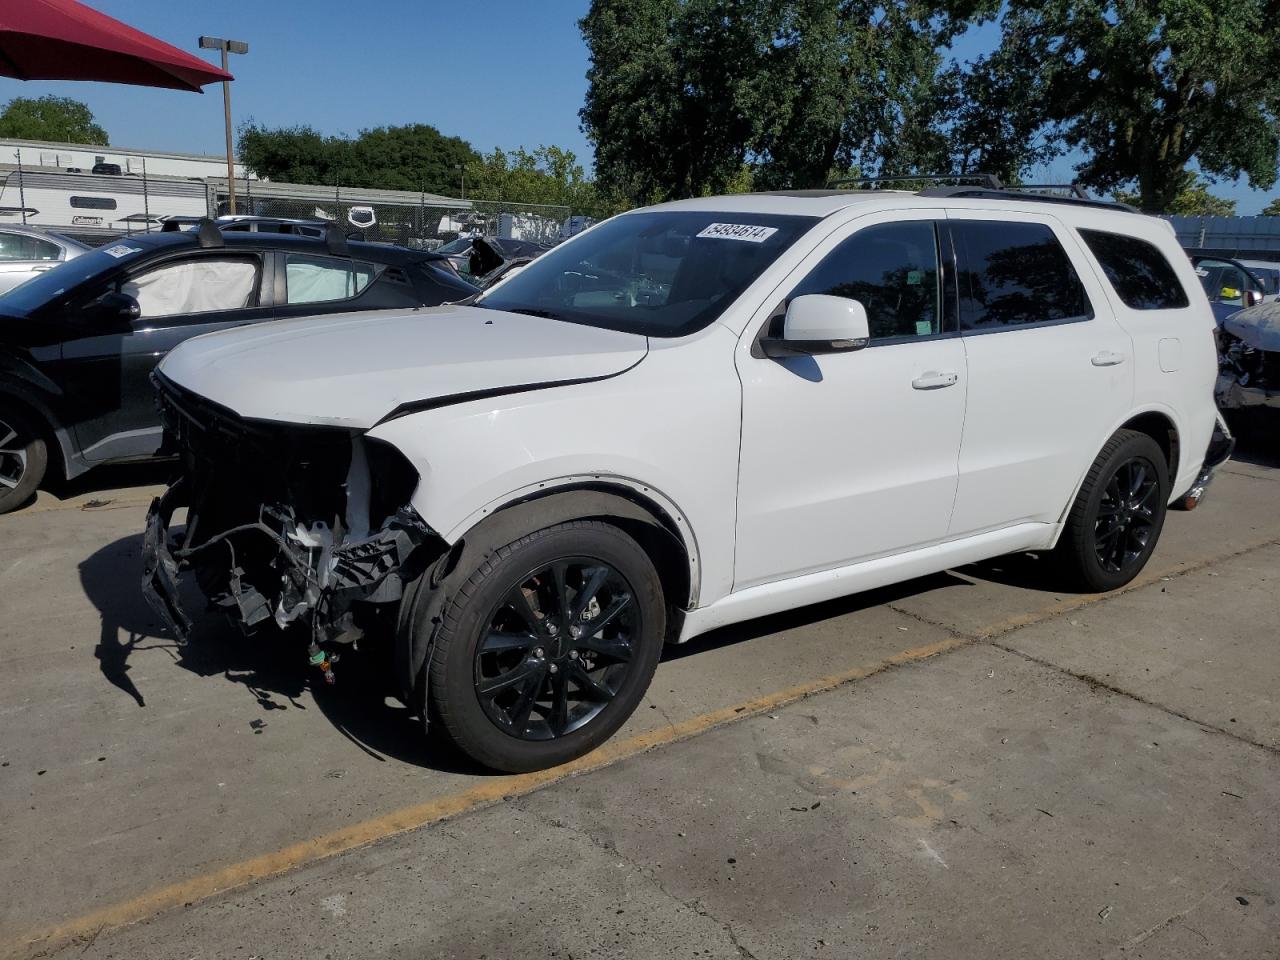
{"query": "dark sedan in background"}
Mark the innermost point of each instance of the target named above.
(78, 343)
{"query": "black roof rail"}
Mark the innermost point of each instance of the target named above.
(977, 193)
(1074, 189)
(336, 240)
(175, 223)
(208, 234)
(988, 180)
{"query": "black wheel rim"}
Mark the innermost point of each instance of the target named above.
(13, 458)
(1127, 515)
(556, 649)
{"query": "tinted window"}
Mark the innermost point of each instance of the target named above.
(317, 279)
(93, 203)
(1140, 274)
(1014, 274)
(661, 274)
(21, 246)
(892, 269)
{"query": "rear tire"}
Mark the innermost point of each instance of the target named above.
(24, 456)
(548, 647)
(1116, 519)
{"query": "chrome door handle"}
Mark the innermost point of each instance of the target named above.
(43, 267)
(934, 381)
(1107, 358)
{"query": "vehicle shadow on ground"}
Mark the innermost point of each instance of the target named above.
(1257, 440)
(271, 664)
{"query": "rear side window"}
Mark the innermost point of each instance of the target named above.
(1140, 274)
(1015, 275)
(311, 279)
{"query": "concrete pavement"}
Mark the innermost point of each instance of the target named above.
(985, 802)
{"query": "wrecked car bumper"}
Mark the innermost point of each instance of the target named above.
(285, 523)
(1231, 394)
(1221, 444)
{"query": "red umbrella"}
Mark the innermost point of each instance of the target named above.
(65, 40)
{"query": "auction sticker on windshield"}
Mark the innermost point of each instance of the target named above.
(738, 231)
(120, 250)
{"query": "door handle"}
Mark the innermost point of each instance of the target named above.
(934, 380)
(1107, 358)
(42, 268)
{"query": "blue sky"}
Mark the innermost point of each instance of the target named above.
(503, 73)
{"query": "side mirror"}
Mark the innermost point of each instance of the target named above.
(1252, 298)
(818, 323)
(118, 307)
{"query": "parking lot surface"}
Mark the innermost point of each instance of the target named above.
(967, 765)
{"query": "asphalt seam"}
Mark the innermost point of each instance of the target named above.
(694, 904)
(1100, 684)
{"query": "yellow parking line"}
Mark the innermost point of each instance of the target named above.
(186, 892)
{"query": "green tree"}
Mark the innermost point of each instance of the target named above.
(1144, 87)
(1193, 200)
(412, 157)
(56, 119)
(1272, 209)
(683, 93)
(546, 175)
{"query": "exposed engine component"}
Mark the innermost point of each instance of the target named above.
(288, 524)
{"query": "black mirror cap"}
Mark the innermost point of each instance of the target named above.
(778, 347)
(120, 306)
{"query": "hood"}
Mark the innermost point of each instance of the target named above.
(1258, 326)
(352, 370)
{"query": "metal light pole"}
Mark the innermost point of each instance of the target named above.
(227, 46)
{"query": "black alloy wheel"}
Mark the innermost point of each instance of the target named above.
(24, 457)
(545, 646)
(557, 649)
(1126, 515)
(1116, 519)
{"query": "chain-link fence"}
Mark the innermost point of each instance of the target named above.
(423, 221)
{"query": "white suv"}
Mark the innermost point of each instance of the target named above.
(686, 416)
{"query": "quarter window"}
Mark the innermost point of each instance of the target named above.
(892, 269)
(1015, 274)
(317, 279)
(20, 246)
(1140, 274)
(204, 285)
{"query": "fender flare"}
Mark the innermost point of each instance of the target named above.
(518, 514)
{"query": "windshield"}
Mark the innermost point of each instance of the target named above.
(44, 287)
(661, 274)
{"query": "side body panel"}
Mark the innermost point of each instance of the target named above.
(1039, 397)
(668, 426)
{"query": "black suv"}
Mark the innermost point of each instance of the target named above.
(78, 343)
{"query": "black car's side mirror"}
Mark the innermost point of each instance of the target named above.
(117, 307)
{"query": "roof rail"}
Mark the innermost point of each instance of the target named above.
(208, 234)
(988, 180)
(978, 193)
(336, 240)
(1074, 189)
(175, 223)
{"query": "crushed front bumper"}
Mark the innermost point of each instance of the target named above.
(318, 583)
(159, 568)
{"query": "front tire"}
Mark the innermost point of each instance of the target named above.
(24, 457)
(548, 647)
(1117, 517)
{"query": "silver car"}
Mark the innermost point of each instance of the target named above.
(28, 251)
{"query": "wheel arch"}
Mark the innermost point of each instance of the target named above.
(1156, 422)
(40, 409)
(660, 529)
